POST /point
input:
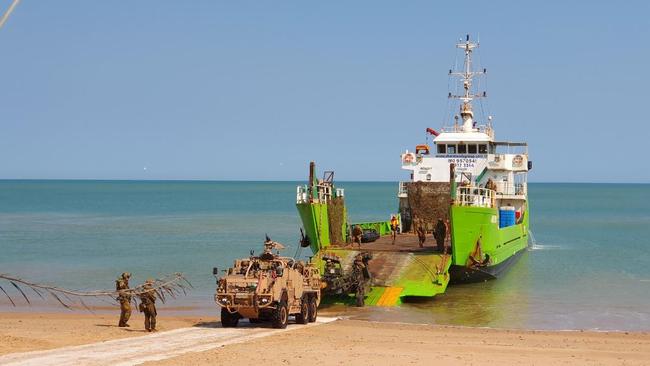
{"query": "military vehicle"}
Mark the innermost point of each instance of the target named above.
(268, 287)
(356, 280)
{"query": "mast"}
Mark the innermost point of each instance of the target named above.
(466, 77)
(10, 10)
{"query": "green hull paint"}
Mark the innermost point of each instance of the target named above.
(468, 224)
(416, 274)
(422, 279)
(316, 224)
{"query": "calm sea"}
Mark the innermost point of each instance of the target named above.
(589, 267)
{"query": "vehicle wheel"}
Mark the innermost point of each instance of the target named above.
(228, 319)
(303, 316)
(281, 316)
(254, 320)
(312, 310)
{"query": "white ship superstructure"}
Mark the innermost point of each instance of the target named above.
(480, 160)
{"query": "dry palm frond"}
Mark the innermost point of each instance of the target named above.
(171, 285)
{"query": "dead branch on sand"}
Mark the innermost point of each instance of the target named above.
(171, 285)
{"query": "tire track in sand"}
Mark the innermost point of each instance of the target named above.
(152, 347)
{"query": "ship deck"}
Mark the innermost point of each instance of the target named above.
(405, 242)
(401, 270)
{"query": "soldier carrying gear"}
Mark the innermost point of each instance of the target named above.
(357, 233)
(361, 276)
(394, 226)
(415, 223)
(422, 235)
(148, 306)
(269, 245)
(440, 234)
(122, 284)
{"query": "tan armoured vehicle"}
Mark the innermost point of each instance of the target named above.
(268, 287)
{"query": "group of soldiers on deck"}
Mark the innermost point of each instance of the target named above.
(147, 302)
(441, 232)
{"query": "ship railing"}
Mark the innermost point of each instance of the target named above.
(487, 129)
(323, 194)
(475, 196)
(302, 194)
(402, 190)
(512, 189)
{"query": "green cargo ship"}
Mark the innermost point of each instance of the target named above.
(468, 189)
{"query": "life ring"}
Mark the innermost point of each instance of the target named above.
(408, 158)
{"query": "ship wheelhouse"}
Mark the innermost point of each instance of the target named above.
(496, 170)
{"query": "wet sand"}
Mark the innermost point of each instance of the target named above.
(345, 342)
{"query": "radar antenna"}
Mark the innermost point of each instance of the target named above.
(466, 77)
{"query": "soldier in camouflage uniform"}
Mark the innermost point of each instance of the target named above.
(357, 233)
(422, 235)
(121, 284)
(440, 234)
(148, 306)
(360, 275)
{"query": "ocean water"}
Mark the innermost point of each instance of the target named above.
(588, 269)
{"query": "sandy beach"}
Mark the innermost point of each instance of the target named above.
(21, 332)
(342, 342)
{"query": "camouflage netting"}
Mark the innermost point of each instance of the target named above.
(429, 201)
(336, 217)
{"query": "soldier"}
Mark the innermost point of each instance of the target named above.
(360, 273)
(440, 234)
(357, 233)
(448, 236)
(122, 284)
(422, 235)
(415, 223)
(490, 184)
(394, 226)
(148, 306)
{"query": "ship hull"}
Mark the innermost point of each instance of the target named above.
(463, 274)
(481, 249)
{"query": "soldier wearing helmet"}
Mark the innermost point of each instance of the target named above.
(124, 298)
(148, 305)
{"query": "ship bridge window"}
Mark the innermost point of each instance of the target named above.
(471, 149)
(442, 148)
(451, 149)
(482, 149)
(462, 149)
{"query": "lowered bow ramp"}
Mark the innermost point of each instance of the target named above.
(397, 276)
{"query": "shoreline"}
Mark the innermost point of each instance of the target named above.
(179, 311)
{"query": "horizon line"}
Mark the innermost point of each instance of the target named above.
(260, 180)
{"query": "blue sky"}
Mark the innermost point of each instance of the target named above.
(254, 90)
